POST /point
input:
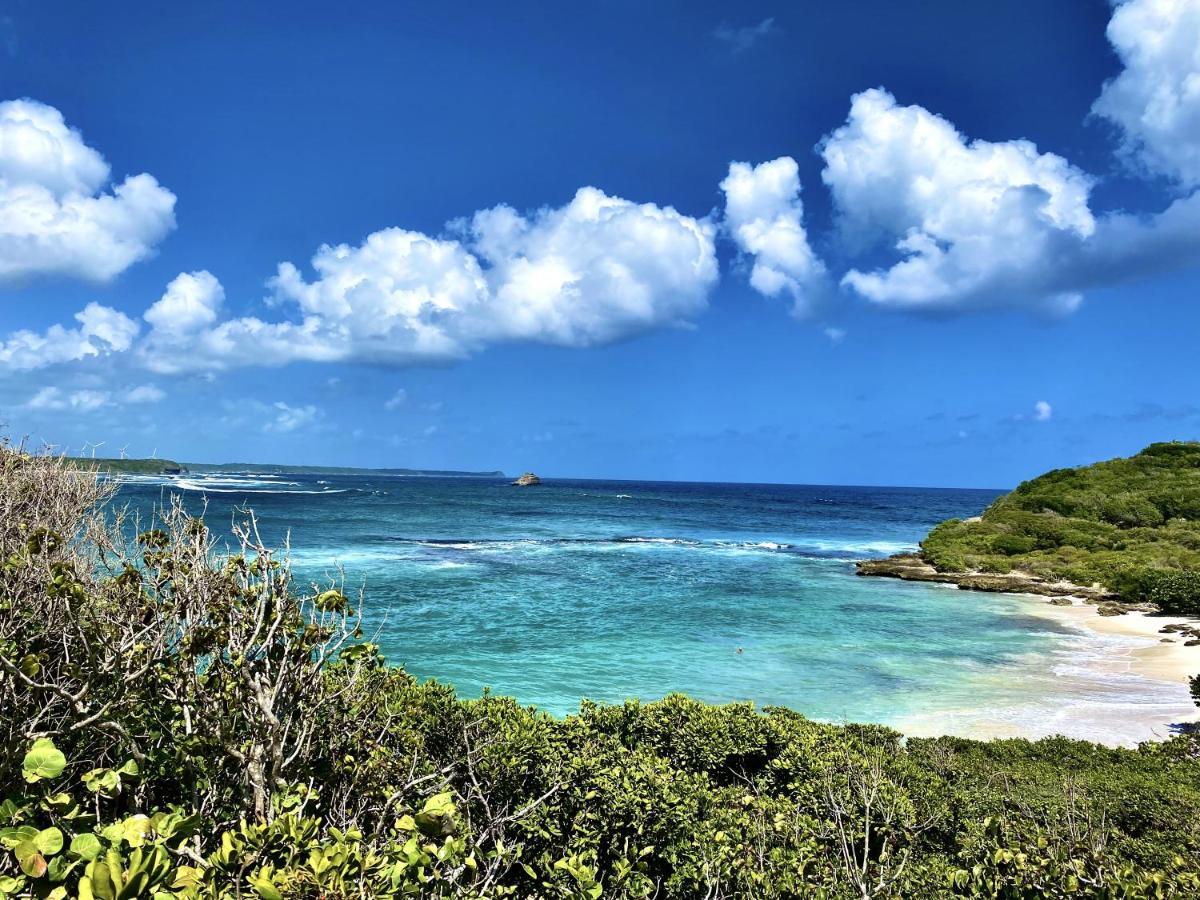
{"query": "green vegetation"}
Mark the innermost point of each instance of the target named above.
(1131, 525)
(180, 723)
(170, 467)
(126, 466)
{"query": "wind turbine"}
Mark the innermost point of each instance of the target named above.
(123, 449)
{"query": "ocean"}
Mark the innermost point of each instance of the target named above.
(608, 590)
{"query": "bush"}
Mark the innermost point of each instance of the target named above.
(178, 723)
(1114, 523)
(1175, 592)
(1013, 544)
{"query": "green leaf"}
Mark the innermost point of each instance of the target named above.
(86, 846)
(49, 841)
(265, 888)
(43, 760)
(60, 868)
(32, 862)
(136, 829)
(14, 837)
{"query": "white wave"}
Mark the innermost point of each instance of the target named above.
(247, 487)
(865, 547)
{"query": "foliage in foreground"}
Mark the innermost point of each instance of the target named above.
(179, 723)
(1131, 525)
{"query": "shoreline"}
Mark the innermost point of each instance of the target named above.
(1117, 683)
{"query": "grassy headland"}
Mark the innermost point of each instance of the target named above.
(126, 466)
(170, 467)
(177, 722)
(1125, 529)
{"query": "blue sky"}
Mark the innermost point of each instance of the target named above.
(962, 246)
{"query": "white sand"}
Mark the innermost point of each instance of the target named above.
(1114, 682)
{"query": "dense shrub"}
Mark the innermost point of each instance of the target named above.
(1117, 523)
(181, 722)
(1013, 544)
(1176, 592)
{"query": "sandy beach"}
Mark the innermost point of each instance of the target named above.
(1115, 681)
(1169, 660)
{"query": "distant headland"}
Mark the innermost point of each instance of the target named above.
(171, 467)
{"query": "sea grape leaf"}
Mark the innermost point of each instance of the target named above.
(43, 760)
(85, 846)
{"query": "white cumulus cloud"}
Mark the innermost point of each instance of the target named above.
(55, 216)
(102, 330)
(192, 301)
(144, 393)
(593, 271)
(1155, 100)
(976, 224)
(53, 398)
(1042, 411)
(765, 217)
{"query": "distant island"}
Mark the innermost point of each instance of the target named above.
(170, 467)
(1117, 533)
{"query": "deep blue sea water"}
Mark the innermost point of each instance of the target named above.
(611, 589)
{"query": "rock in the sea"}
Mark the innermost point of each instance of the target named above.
(1110, 609)
(527, 479)
(1166, 640)
(1060, 601)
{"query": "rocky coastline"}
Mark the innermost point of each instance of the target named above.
(914, 567)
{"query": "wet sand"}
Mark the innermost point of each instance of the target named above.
(1114, 681)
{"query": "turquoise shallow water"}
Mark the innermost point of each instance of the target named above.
(608, 590)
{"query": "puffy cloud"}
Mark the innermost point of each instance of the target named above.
(56, 399)
(144, 393)
(1042, 411)
(55, 217)
(1155, 100)
(191, 302)
(290, 418)
(593, 271)
(765, 217)
(101, 330)
(977, 224)
(53, 398)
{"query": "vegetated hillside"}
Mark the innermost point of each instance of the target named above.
(127, 466)
(1133, 525)
(180, 723)
(281, 469)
